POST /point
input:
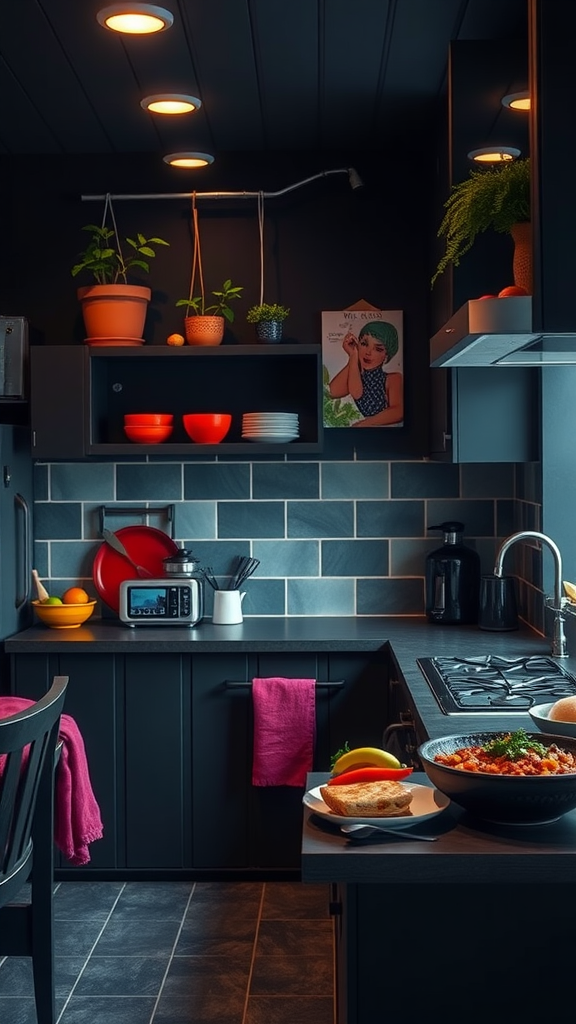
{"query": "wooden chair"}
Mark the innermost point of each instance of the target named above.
(26, 839)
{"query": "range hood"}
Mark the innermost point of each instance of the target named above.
(537, 330)
(498, 332)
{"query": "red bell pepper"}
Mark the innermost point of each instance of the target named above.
(369, 774)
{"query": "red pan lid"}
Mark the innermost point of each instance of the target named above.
(146, 545)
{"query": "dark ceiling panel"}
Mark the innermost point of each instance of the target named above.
(22, 129)
(420, 43)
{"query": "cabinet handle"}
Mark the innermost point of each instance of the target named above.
(232, 683)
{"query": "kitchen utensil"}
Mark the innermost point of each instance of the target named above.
(147, 546)
(452, 578)
(43, 594)
(118, 546)
(148, 419)
(148, 434)
(182, 563)
(227, 607)
(358, 831)
(210, 577)
(207, 427)
(498, 610)
(246, 566)
(503, 799)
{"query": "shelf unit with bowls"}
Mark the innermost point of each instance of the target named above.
(80, 395)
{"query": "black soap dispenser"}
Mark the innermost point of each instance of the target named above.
(452, 579)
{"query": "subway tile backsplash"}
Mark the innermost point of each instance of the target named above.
(333, 538)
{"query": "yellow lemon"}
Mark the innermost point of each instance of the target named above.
(570, 591)
(175, 339)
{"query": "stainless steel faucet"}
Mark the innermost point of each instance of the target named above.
(559, 648)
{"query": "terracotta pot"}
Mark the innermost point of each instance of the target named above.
(114, 310)
(204, 330)
(522, 263)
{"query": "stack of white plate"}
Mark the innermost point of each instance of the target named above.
(270, 427)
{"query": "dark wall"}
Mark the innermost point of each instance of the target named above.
(326, 246)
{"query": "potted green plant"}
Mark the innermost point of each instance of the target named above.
(112, 308)
(204, 325)
(496, 198)
(269, 319)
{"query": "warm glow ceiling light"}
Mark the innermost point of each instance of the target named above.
(171, 103)
(517, 101)
(493, 154)
(135, 19)
(188, 159)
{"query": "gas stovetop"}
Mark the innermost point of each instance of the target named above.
(490, 683)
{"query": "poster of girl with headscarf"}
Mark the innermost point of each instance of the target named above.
(362, 357)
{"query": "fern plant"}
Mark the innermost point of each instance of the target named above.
(496, 198)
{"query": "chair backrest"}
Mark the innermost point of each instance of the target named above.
(27, 749)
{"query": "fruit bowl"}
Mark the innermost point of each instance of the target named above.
(148, 419)
(207, 427)
(148, 435)
(504, 799)
(63, 616)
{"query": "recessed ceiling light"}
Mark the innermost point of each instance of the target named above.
(188, 159)
(171, 103)
(135, 19)
(517, 101)
(493, 154)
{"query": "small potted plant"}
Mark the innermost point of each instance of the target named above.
(113, 308)
(269, 319)
(496, 198)
(204, 325)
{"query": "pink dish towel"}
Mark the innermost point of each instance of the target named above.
(284, 730)
(77, 815)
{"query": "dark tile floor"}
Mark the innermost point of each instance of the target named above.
(184, 953)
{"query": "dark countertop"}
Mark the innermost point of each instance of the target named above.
(409, 638)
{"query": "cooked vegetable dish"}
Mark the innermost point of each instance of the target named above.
(512, 754)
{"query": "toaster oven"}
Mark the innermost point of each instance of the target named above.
(161, 602)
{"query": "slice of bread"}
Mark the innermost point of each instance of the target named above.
(368, 799)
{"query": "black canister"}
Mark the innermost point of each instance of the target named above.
(452, 579)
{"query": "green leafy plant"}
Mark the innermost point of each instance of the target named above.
(336, 412)
(496, 198)
(106, 262)
(197, 307)
(257, 314)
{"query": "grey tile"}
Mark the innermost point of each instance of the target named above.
(355, 479)
(295, 900)
(295, 938)
(285, 480)
(529, 481)
(300, 1009)
(291, 976)
(76, 938)
(477, 516)
(424, 480)
(227, 933)
(320, 518)
(82, 482)
(390, 597)
(490, 480)
(217, 481)
(41, 552)
(40, 478)
(57, 520)
(221, 555)
(226, 893)
(214, 990)
(16, 977)
(265, 597)
(505, 518)
(17, 1011)
(153, 901)
(195, 520)
(74, 900)
(108, 1010)
(250, 519)
(354, 558)
(408, 557)
(121, 938)
(287, 557)
(182, 1010)
(321, 597)
(73, 560)
(149, 482)
(390, 519)
(122, 976)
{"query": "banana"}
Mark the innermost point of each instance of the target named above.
(362, 757)
(570, 591)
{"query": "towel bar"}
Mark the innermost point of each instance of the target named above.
(229, 683)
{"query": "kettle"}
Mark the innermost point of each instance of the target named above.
(452, 579)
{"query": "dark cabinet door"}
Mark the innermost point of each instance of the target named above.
(58, 401)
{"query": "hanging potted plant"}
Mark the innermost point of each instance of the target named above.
(204, 324)
(269, 320)
(496, 198)
(112, 308)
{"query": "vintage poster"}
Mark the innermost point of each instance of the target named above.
(362, 367)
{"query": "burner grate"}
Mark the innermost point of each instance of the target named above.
(491, 683)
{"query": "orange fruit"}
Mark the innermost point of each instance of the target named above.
(175, 339)
(75, 595)
(512, 289)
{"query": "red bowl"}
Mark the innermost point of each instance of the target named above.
(148, 419)
(148, 435)
(207, 427)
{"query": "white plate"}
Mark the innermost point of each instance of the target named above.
(270, 438)
(426, 802)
